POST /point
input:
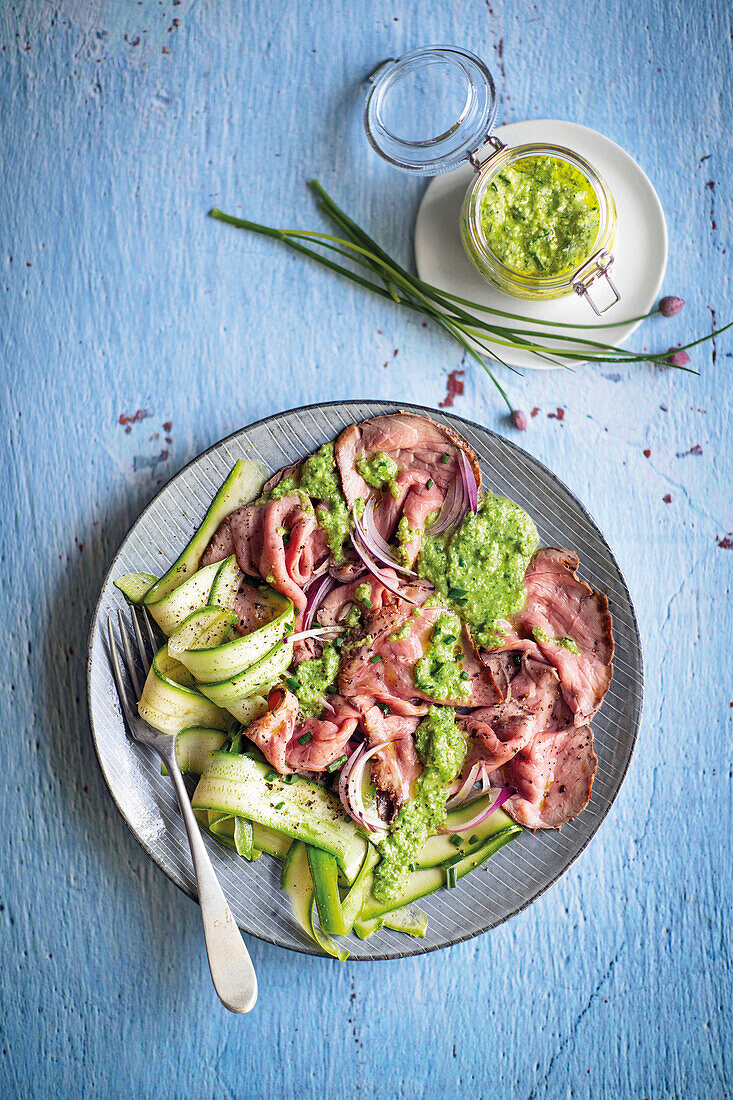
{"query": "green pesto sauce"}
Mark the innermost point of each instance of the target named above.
(363, 593)
(540, 216)
(566, 642)
(405, 536)
(284, 488)
(378, 470)
(402, 634)
(312, 679)
(319, 480)
(438, 673)
(442, 746)
(479, 569)
(353, 617)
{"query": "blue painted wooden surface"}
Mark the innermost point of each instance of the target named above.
(122, 123)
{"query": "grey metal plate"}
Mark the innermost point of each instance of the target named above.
(522, 870)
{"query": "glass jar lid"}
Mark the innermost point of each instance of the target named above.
(428, 110)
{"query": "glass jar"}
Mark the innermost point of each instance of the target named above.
(433, 110)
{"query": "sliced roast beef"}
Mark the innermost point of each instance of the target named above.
(251, 609)
(427, 458)
(281, 474)
(533, 705)
(330, 735)
(553, 777)
(383, 666)
(349, 569)
(277, 732)
(279, 541)
(273, 731)
(571, 626)
(339, 600)
(221, 545)
(395, 767)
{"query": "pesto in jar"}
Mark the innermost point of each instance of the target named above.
(540, 216)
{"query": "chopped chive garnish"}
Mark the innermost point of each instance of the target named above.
(445, 458)
(292, 683)
(375, 658)
(411, 866)
(464, 676)
(429, 483)
(367, 602)
(451, 879)
(337, 764)
(473, 839)
(449, 864)
(456, 593)
(278, 805)
(269, 776)
(384, 709)
(305, 738)
(456, 840)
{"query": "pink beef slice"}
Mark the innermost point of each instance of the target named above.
(288, 561)
(395, 768)
(221, 545)
(426, 454)
(251, 609)
(553, 777)
(560, 605)
(532, 705)
(339, 600)
(273, 731)
(330, 734)
(276, 733)
(389, 679)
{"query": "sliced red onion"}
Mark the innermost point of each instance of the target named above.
(376, 571)
(454, 509)
(350, 784)
(502, 796)
(469, 481)
(316, 632)
(375, 544)
(463, 790)
(316, 596)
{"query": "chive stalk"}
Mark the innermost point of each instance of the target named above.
(480, 330)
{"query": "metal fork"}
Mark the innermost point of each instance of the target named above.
(231, 968)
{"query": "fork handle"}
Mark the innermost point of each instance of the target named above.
(231, 968)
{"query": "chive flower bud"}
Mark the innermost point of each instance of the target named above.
(677, 358)
(670, 305)
(518, 420)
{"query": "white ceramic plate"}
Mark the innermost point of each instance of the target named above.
(640, 249)
(524, 868)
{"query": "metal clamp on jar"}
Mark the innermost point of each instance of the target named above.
(538, 221)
